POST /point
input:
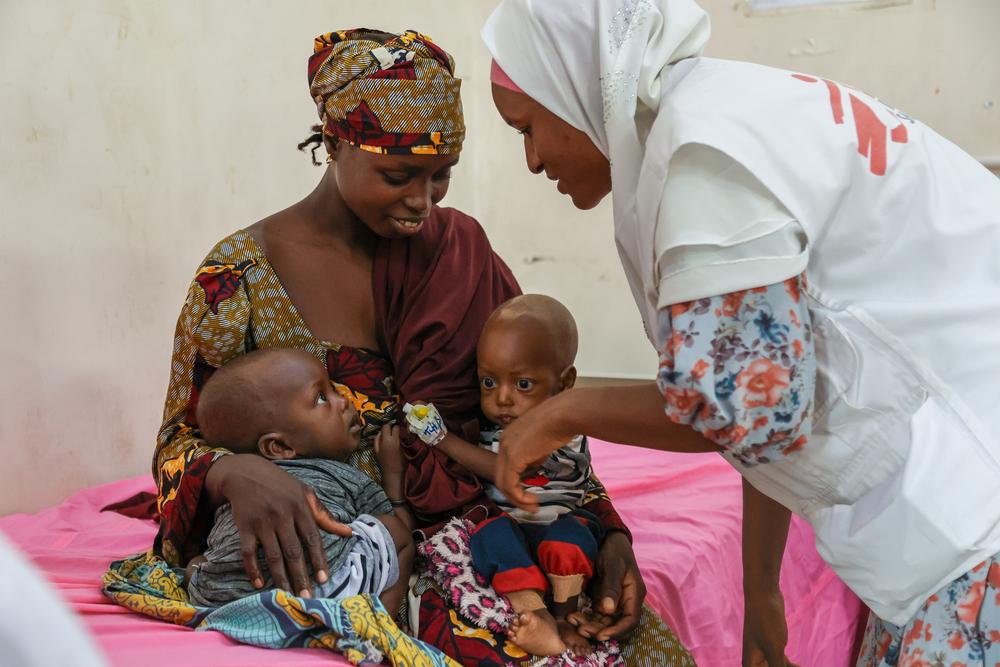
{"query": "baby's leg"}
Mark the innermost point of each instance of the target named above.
(500, 553)
(566, 552)
(392, 597)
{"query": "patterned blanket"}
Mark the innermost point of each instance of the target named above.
(447, 560)
(357, 627)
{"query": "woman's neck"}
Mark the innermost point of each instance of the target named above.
(323, 217)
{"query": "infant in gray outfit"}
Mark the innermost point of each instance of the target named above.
(280, 404)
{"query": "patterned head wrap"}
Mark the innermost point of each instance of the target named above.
(386, 93)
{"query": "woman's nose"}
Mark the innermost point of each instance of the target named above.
(535, 165)
(418, 197)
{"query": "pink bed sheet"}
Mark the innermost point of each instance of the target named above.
(683, 509)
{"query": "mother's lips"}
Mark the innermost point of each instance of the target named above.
(409, 223)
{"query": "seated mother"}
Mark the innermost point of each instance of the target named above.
(390, 292)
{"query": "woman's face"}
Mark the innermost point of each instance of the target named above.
(391, 194)
(553, 146)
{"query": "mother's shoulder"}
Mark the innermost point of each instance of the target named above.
(237, 248)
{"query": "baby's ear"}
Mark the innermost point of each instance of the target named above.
(568, 378)
(274, 447)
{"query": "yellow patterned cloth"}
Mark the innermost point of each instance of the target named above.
(386, 93)
(358, 627)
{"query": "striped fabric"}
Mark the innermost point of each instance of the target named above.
(364, 563)
(560, 483)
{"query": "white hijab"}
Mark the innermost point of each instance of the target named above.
(600, 65)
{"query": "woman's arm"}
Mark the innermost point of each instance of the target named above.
(737, 373)
(182, 459)
(631, 415)
(765, 532)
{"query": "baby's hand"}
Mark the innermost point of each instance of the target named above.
(387, 450)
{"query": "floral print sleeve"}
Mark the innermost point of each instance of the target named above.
(740, 369)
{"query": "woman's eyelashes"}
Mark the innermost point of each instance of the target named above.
(396, 177)
(399, 178)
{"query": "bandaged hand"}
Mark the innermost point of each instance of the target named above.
(425, 422)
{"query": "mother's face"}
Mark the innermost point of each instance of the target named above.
(392, 194)
(553, 146)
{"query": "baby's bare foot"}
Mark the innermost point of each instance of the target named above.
(574, 642)
(537, 633)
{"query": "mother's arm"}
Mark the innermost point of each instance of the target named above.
(271, 508)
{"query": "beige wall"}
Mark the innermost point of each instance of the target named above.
(135, 134)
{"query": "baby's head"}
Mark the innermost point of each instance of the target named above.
(280, 404)
(525, 355)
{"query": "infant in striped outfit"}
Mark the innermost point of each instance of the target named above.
(525, 355)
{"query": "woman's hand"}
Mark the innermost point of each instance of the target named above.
(631, 415)
(526, 443)
(765, 631)
(275, 511)
(618, 593)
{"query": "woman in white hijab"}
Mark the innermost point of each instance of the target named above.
(820, 275)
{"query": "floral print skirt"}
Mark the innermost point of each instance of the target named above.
(959, 626)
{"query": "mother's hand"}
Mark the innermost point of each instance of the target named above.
(275, 511)
(618, 592)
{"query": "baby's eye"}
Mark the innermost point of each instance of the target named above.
(321, 398)
(524, 384)
(488, 383)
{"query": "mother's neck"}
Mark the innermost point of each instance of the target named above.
(324, 217)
